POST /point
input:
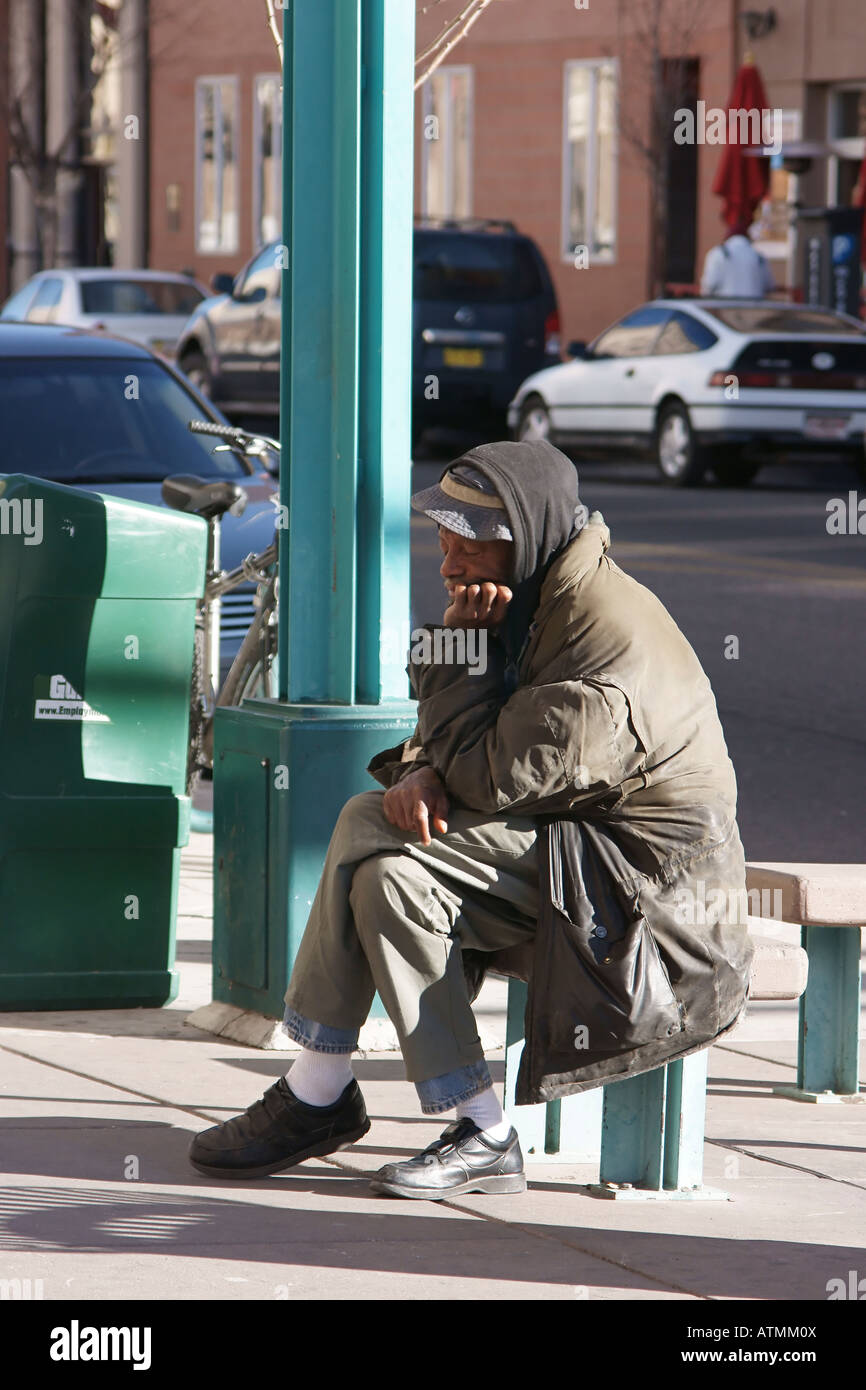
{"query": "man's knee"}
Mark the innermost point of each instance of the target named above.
(396, 886)
(365, 810)
(374, 880)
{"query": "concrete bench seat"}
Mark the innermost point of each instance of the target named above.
(828, 903)
(780, 969)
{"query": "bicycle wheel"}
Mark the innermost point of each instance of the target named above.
(197, 714)
(253, 671)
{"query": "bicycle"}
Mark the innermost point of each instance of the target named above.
(253, 670)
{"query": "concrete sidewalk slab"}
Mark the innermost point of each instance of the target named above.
(98, 1200)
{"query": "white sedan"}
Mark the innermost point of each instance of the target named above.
(148, 306)
(707, 382)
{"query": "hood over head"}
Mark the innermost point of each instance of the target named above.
(538, 485)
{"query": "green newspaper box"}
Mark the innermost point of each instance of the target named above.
(97, 611)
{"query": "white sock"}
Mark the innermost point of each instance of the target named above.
(320, 1078)
(486, 1111)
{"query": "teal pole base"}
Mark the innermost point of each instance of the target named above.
(820, 1097)
(625, 1192)
(282, 774)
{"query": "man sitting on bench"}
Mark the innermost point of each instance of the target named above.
(560, 796)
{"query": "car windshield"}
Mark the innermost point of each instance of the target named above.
(113, 296)
(767, 318)
(474, 269)
(102, 420)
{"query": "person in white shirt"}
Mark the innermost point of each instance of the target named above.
(737, 268)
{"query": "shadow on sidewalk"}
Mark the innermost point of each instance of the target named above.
(95, 1219)
(305, 1218)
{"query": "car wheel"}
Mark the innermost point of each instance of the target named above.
(679, 458)
(194, 366)
(732, 471)
(534, 421)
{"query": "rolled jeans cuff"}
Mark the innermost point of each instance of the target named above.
(318, 1037)
(444, 1092)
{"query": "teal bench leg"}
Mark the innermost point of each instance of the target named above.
(563, 1131)
(828, 1050)
(652, 1136)
(646, 1133)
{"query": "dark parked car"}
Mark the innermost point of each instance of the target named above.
(97, 412)
(484, 318)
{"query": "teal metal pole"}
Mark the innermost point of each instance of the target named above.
(345, 375)
(283, 539)
(319, 358)
(284, 768)
(385, 381)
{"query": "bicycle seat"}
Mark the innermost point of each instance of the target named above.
(187, 493)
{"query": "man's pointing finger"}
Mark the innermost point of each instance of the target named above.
(421, 819)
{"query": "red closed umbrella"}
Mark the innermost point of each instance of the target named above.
(858, 200)
(741, 179)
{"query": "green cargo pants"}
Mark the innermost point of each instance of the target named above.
(393, 915)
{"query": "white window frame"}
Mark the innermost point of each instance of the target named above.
(450, 69)
(853, 147)
(596, 257)
(222, 249)
(258, 239)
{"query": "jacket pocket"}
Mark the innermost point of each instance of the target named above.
(603, 957)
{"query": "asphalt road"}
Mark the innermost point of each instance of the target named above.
(758, 565)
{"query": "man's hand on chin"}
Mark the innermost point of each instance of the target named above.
(477, 605)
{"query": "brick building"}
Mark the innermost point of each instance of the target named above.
(525, 120)
(540, 114)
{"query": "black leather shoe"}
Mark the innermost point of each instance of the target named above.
(277, 1132)
(461, 1160)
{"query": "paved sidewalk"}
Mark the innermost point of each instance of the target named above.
(97, 1199)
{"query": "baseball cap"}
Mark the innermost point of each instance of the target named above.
(466, 502)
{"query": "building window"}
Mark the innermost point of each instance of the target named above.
(216, 164)
(446, 166)
(267, 159)
(846, 129)
(589, 160)
(773, 228)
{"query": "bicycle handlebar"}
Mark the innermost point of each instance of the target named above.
(230, 433)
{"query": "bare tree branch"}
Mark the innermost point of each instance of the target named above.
(450, 26)
(275, 30)
(462, 24)
(449, 37)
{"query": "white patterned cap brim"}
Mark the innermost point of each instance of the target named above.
(466, 502)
